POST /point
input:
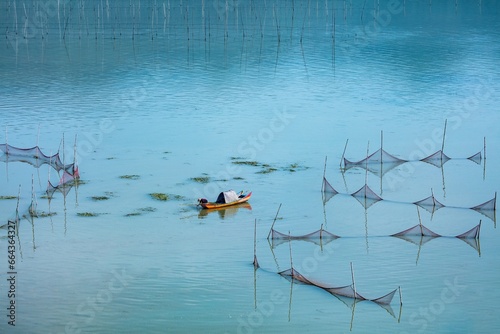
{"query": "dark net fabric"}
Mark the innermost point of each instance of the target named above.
(437, 159)
(34, 156)
(417, 230)
(378, 157)
(476, 158)
(430, 204)
(319, 234)
(473, 233)
(342, 291)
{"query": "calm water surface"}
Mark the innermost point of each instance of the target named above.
(249, 97)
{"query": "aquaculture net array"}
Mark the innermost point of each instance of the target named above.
(34, 156)
(348, 291)
(367, 197)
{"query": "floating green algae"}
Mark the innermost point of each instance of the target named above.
(99, 198)
(159, 196)
(8, 197)
(147, 209)
(248, 163)
(130, 177)
(87, 214)
(201, 179)
(267, 170)
(140, 211)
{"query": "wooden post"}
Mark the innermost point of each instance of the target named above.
(343, 153)
(274, 221)
(353, 282)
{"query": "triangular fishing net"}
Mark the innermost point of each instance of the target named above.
(319, 234)
(366, 196)
(430, 204)
(487, 208)
(377, 157)
(385, 300)
(417, 230)
(328, 190)
(66, 182)
(344, 291)
(476, 158)
(414, 239)
(327, 187)
(379, 162)
(293, 274)
(348, 291)
(473, 233)
(34, 156)
(318, 237)
(437, 159)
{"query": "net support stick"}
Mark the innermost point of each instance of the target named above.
(353, 282)
(484, 147)
(343, 153)
(400, 296)
(444, 134)
(324, 174)
(274, 221)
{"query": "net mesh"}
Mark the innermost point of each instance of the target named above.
(487, 208)
(343, 291)
(377, 157)
(437, 159)
(317, 237)
(430, 204)
(366, 196)
(66, 182)
(327, 187)
(473, 233)
(34, 156)
(417, 230)
(476, 158)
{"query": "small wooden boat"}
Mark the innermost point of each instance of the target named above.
(214, 205)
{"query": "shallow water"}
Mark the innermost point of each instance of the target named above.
(193, 94)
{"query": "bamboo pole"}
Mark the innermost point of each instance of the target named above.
(353, 282)
(324, 175)
(444, 134)
(343, 153)
(274, 221)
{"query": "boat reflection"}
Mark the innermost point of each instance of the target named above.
(226, 212)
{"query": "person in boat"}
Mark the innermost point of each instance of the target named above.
(227, 197)
(224, 197)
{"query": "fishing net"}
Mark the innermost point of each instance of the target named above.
(473, 233)
(487, 208)
(328, 190)
(476, 158)
(420, 235)
(421, 230)
(66, 182)
(34, 156)
(379, 162)
(366, 196)
(437, 159)
(316, 237)
(343, 291)
(417, 230)
(430, 204)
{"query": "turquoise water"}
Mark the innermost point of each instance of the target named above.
(170, 92)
